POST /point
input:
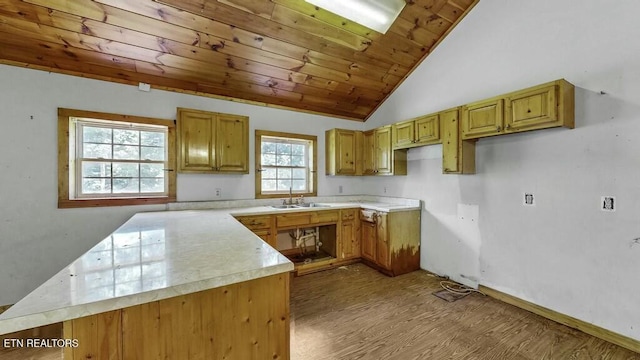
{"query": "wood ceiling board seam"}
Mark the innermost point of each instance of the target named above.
(464, 14)
(187, 20)
(301, 22)
(122, 18)
(450, 12)
(316, 12)
(262, 8)
(258, 24)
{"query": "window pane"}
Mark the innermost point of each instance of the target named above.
(268, 148)
(96, 135)
(129, 137)
(269, 173)
(123, 152)
(299, 173)
(152, 138)
(125, 170)
(152, 153)
(299, 185)
(284, 149)
(96, 169)
(297, 149)
(297, 161)
(95, 151)
(152, 170)
(283, 160)
(96, 186)
(121, 186)
(268, 160)
(283, 185)
(268, 185)
(284, 173)
(152, 185)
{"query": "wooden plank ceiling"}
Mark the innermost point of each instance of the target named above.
(283, 53)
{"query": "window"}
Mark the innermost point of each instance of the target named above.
(283, 162)
(109, 159)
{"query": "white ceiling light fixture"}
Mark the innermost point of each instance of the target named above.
(374, 14)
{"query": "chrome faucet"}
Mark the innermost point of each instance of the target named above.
(290, 202)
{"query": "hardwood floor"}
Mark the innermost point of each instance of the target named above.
(354, 312)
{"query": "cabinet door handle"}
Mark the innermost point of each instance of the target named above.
(508, 127)
(498, 128)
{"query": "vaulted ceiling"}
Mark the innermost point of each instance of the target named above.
(283, 53)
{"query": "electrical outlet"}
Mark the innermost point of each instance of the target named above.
(339, 189)
(528, 199)
(218, 192)
(608, 203)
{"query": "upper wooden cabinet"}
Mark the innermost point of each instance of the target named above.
(211, 142)
(343, 151)
(421, 131)
(458, 156)
(378, 156)
(482, 119)
(539, 107)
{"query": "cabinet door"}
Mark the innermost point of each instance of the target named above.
(350, 244)
(369, 152)
(266, 236)
(428, 130)
(403, 134)
(482, 119)
(383, 250)
(532, 109)
(232, 144)
(195, 137)
(458, 156)
(384, 153)
(369, 240)
(346, 152)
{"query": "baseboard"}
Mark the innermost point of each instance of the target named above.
(591, 329)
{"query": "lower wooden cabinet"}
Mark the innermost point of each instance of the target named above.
(392, 243)
(261, 225)
(349, 234)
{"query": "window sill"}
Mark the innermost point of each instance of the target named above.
(69, 204)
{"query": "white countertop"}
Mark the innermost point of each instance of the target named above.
(153, 256)
(159, 255)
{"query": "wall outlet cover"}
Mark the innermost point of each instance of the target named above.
(608, 203)
(528, 199)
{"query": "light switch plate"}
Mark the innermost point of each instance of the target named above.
(608, 203)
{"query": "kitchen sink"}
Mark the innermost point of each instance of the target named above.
(284, 206)
(310, 205)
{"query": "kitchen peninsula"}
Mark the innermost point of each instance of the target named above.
(175, 284)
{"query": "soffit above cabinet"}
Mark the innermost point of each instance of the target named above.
(282, 53)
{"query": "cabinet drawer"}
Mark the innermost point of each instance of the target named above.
(348, 214)
(532, 109)
(324, 217)
(482, 119)
(295, 219)
(255, 222)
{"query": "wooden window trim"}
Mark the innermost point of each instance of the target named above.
(258, 157)
(64, 199)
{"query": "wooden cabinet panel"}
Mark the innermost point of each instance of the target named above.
(195, 137)
(349, 214)
(350, 239)
(383, 255)
(293, 219)
(346, 152)
(369, 152)
(383, 160)
(458, 156)
(256, 222)
(343, 152)
(212, 143)
(266, 236)
(403, 134)
(427, 130)
(368, 240)
(321, 217)
(531, 109)
(482, 119)
(232, 143)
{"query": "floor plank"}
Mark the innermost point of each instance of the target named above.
(354, 312)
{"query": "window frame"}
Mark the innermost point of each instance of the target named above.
(313, 167)
(66, 161)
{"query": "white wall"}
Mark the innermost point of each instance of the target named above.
(36, 238)
(564, 253)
